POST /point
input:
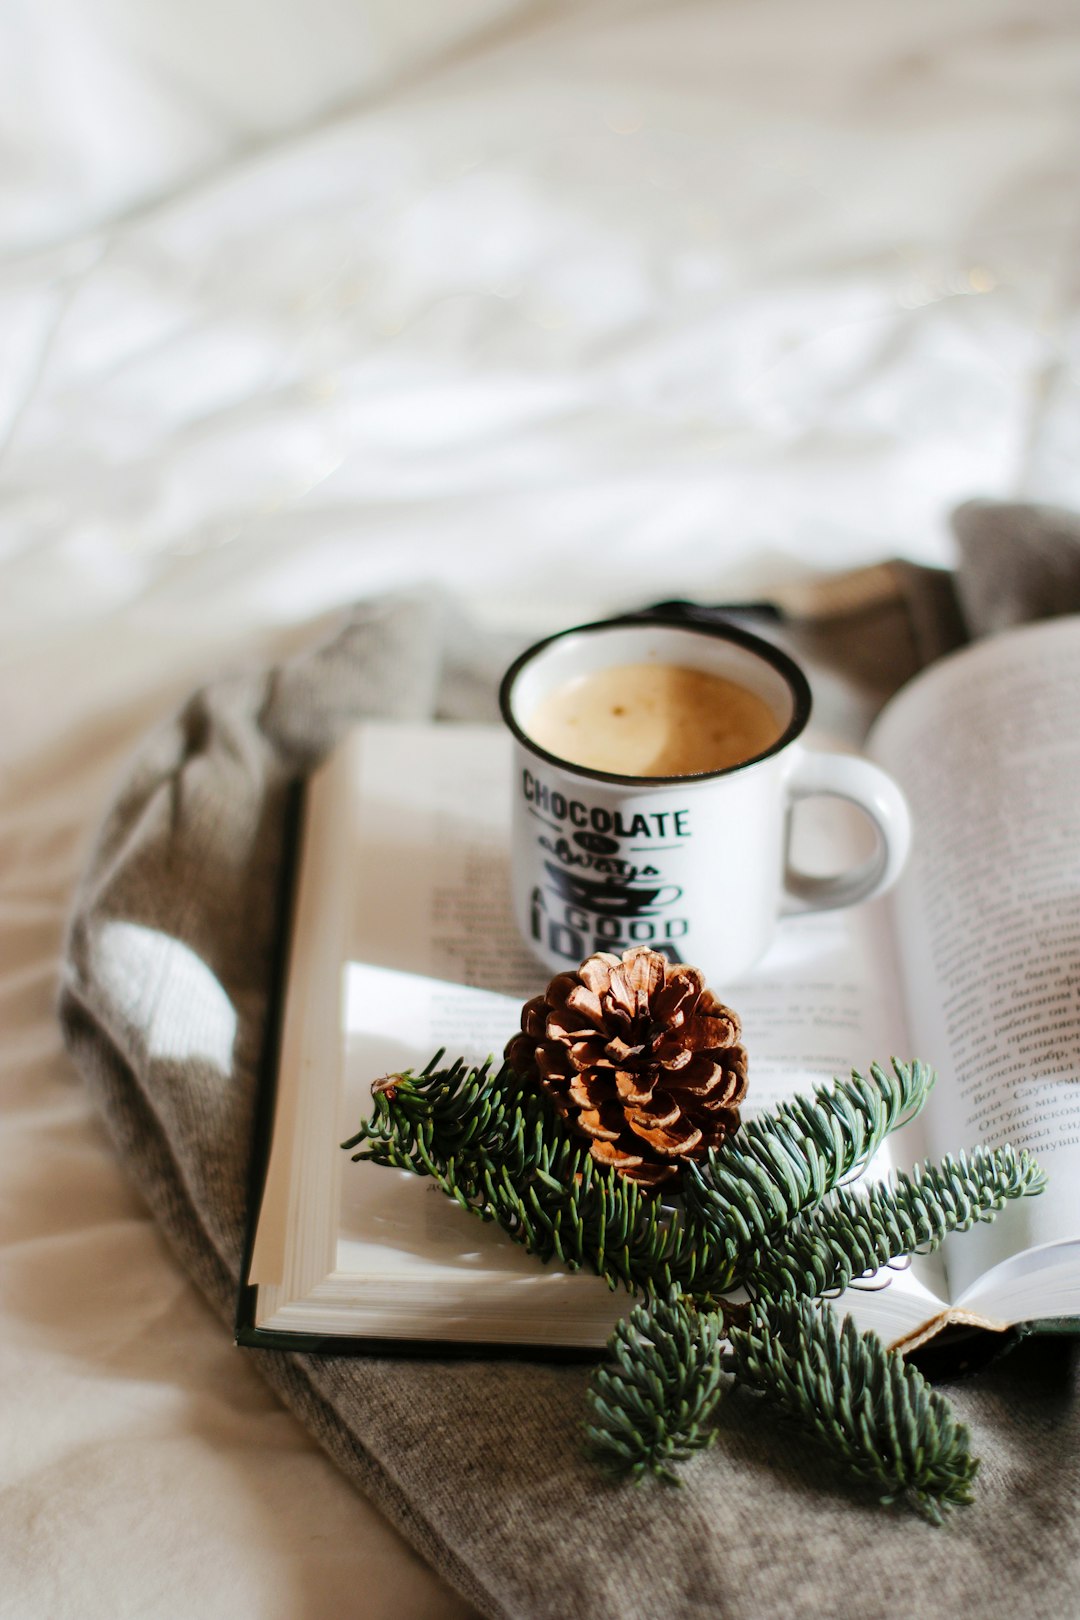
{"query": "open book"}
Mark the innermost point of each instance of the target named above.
(402, 942)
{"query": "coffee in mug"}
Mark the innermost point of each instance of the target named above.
(656, 767)
(653, 720)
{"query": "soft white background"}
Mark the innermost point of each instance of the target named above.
(564, 306)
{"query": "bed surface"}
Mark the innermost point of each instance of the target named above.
(563, 308)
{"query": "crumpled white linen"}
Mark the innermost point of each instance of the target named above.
(611, 302)
(111, 104)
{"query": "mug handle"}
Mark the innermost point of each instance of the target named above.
(879, 798)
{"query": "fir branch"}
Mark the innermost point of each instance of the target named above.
(874, 1413)
(767, 1209)
(858, 1230)
(786, 1161)
(426, 1121)
(493, 1144)
(653, 1403)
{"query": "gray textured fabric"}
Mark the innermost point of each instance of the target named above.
(479, 1463)
(1015, 563)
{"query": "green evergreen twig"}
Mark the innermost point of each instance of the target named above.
(652, 1404)
(769, 1212)
(860, 1229)
(787, 1160)
(873, 1412)
(644, 1416)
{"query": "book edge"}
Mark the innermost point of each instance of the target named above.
(262, 1125)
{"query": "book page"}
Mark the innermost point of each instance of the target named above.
(294, 1242)
(987, 747)
(430, 872)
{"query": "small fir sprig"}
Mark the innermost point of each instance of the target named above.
(873, 1412)
(858, 1230)
(653, 1403)
(734, 1276)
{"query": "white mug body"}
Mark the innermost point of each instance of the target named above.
(693, 866)
(691, 869)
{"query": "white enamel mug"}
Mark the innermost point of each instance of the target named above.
(696, 867)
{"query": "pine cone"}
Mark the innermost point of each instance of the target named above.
(640, 1057)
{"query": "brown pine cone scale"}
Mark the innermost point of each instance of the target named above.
(638, 1056)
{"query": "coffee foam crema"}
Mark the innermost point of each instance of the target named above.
(653, 719)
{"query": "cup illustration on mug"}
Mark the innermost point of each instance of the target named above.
(656, 767)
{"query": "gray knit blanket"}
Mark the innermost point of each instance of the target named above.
(479, 1463)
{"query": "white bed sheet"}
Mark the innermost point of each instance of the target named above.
(614, 301)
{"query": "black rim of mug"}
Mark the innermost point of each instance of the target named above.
(780, 661)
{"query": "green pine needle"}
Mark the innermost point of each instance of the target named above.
(653, 1403)
(787, 1160)
(873, 1413)
(857, 1230)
